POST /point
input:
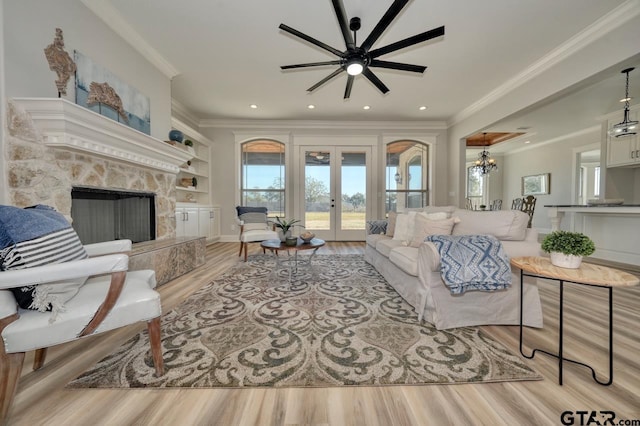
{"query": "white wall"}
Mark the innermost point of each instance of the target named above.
(224, 173)
(4, 194)
(29, 26)
(555, 158)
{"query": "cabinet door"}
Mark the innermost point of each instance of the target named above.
(621, 152)
(186, 222)
(204, 222)
(215, 225)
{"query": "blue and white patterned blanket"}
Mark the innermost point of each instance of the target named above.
(472, 262)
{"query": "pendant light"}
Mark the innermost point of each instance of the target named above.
(626, 127)
(485, 164)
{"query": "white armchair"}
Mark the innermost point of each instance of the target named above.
(111, 298)
(254, 227)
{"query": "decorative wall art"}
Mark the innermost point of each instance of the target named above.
(536, 184)
(101, 91)
(60, 62)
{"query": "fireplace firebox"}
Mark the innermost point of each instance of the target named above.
(104, 215)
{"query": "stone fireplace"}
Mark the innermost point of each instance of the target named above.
(54, 145)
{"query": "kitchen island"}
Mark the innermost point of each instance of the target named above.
(615, 229)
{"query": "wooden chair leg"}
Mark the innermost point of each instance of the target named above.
(10, 369)
(38, 360)
(241, 247)
(155, 340)
(246, 248)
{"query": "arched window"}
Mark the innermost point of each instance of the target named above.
(407, 175)
(263, 175)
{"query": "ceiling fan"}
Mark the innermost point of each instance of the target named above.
(356, 60)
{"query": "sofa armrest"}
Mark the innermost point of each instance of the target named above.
(377, 226)
(531, 234)
(428, 257)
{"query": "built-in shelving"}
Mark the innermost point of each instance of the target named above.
(198, 167)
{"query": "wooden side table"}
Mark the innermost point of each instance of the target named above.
(588, 274)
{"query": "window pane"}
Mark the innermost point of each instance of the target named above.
(406, 175)
(263, 176)
(317, 182)
(354, 188)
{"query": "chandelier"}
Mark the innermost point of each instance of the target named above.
(485, 164)
(626, 127)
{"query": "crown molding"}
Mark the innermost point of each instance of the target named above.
(179, 109)
(105, 11)
(188, 130)
(324, 124)
(614, 19)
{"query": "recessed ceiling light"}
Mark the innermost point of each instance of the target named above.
(253, 106)
(527, 141)
(422, 108)
(311, 106)
(366, 107)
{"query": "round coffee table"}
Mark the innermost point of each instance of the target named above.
(291, 262)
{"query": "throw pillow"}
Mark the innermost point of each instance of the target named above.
(424, 227)
(37, 236)
(391, 226)
(404, 227)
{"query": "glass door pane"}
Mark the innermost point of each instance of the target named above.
(317, 195)
(353, 178)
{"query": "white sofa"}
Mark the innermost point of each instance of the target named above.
(415, 271)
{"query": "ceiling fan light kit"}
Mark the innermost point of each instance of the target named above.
(626, 127)
(358, 60)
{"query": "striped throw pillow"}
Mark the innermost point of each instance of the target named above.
(37, 236)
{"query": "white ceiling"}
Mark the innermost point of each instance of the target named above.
(228, 53)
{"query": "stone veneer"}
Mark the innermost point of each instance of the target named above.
(38, 174)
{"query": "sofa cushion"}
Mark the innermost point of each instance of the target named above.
(405, 258)
(37, 236)
(506, 225)
(384, 246)
(423, 227)
(372, 239)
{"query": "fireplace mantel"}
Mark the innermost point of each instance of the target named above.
(65, 125)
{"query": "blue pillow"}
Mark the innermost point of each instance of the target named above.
(244, 209)
(37, 236)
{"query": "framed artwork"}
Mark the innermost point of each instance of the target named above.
(101, 91)
(536, 184)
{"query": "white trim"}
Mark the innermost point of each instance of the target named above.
(4, 194)
(65, 125)
(321, 124)
(612, 20)
(188, 130)
(560, 138)
(178, 108)
(110, 16)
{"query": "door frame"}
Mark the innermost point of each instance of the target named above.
(334, 142)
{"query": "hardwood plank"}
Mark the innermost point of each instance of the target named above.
(43, 400)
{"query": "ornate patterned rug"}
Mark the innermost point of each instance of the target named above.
(337, 323)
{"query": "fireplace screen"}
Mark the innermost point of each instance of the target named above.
(105, 215)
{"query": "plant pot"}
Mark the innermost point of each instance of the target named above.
(562, 260)
(291, 241)
(284, 235)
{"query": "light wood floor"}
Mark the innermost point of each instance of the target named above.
(43, 400)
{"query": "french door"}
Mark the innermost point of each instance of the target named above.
(335, 187)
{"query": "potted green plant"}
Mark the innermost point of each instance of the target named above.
(284, 227)
(188, 142)
(566, 249)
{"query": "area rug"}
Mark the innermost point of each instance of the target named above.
(337, 323)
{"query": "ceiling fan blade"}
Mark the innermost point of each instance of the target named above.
(347, 90)
(397, 66)
(310, 64)
(310, 39)
(338, 6)
(375, 80)
(324, 80)
(384, 22)
(410, 41)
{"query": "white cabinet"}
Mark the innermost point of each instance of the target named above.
(623, 151)
(187, 222)
(200, 221)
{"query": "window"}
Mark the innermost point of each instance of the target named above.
(407, 175)
(475, 186)
(263, 176)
